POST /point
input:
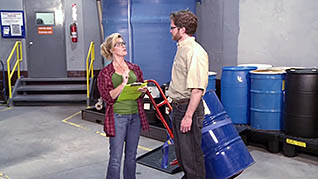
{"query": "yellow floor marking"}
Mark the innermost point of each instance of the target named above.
(5, 109)
(97, 132)
(144, 148)
(101, 133)
(73, 124)
(4, 176)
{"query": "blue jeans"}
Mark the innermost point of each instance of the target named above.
(127, 128)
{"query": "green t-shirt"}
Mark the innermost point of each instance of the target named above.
(127, 106)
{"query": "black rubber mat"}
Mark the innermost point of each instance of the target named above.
(153, 159)
(264, 138)
(241, 128)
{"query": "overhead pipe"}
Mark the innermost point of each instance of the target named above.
(130, 32)
(100, 18)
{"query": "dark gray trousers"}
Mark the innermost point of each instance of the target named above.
(188, 145)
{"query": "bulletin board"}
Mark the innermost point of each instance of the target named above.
(12, 24)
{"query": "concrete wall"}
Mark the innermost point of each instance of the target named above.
(210, 31)
(276, 32)
(76, 53)
(279, 32)
(6, 44)
(90, 19)
(218, 32)
(88, 30)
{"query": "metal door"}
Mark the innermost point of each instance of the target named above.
(45, 38)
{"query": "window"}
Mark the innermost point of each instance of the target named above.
(44, 18)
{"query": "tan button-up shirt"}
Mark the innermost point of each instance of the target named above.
(190, 69)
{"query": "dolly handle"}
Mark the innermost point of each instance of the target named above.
(165, 101)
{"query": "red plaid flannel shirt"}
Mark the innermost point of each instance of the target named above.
(105, 85)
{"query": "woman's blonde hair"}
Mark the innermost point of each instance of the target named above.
(108, 45)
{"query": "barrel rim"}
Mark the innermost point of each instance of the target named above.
(239, 68)
(258, 65)
(301, 71)
(212, 73)
(285, 67)
(268, 72)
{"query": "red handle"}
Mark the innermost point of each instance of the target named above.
(164, 102)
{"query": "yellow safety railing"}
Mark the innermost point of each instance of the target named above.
(89, 66)
(18, 48)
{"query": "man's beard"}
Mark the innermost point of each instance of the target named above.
(176, 37)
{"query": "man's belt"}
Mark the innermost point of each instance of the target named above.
(181, 101)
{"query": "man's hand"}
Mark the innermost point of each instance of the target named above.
(195, 98)
(186, 123)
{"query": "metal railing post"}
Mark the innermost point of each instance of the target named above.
(90, 68)
(18, 48)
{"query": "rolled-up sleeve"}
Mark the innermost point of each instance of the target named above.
(198, 69)
(105, 86)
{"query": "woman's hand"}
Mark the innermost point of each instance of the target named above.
(143, 89)
(125, 77)
(116, 92)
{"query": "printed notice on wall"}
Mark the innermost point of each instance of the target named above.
(8, 18)
(12, 23)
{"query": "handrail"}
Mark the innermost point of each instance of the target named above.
(4, 93)
(18, 48)
(89, 66)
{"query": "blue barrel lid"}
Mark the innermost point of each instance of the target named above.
(239, 68)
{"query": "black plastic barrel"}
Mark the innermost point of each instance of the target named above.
(301, 103)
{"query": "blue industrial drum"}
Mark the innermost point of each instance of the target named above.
(211, 83)
(235, 96)
(267, 94)
(224, 151)
(146, 23)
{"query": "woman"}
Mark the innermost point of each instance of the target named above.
(123, 119)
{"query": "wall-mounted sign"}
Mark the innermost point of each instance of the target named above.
(45, 30)
(12, 24)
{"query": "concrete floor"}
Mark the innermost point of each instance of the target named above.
(52, 142)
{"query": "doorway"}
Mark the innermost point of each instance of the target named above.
(45, 40)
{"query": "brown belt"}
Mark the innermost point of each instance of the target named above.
(181, 101)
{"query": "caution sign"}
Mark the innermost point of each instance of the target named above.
(45, 30)
(295, 142)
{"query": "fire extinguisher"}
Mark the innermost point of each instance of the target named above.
(73, 30)
(73, 26)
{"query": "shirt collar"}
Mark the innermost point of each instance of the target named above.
(186, 41)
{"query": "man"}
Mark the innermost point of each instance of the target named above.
(189, 80)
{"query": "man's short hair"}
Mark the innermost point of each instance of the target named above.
(186, 19)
